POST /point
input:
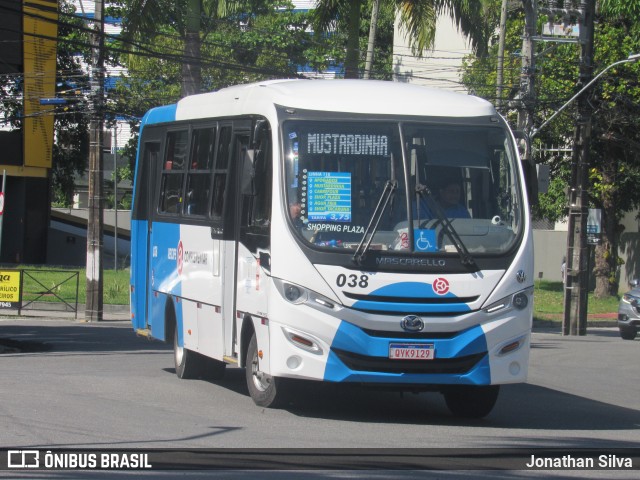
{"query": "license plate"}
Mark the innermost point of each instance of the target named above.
(411, 351)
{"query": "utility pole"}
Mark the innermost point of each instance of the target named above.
(577, 274)
(503, 28)
(115, 196)
(94, 303)
(527, 74)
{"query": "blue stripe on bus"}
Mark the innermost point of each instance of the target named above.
(452, 308)
(138, 274)
(166, 278)
(160, 115)
(408, 290)
(353, 339)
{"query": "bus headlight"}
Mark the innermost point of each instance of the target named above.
(298, 295)
(519, 301)
(294, 294)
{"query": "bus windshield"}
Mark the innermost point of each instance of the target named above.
(411, 187)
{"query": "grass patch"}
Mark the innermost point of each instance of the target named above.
(549, 299)
(57, 284)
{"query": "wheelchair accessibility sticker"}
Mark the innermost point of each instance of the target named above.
(425, 240)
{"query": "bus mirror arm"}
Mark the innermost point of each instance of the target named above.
(265, 261)
(261, 128)
(528, 165)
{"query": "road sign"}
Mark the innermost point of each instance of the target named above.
(594, 226)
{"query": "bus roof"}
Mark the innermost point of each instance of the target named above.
(349, 96)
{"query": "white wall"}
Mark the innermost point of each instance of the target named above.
(440, 67)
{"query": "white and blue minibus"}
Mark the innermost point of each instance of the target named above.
(303, 229)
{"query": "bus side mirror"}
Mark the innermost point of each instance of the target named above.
(544, 172)
(247, 172)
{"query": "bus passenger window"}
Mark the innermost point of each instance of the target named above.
(171, 193)
(198, 179)
(173, 173)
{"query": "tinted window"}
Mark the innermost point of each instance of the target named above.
(173, 172)
(199, 176)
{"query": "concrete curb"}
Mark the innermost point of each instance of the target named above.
(57, 310)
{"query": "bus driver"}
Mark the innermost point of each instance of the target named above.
(448, 197)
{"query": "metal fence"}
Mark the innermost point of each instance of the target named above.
(49, 290)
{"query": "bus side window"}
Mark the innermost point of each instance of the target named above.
(173, 173)
(220, 173)
(198, 179)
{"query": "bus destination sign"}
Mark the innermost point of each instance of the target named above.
(328, 196)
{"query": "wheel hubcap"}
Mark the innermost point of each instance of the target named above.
(178, 352)
(260, 379)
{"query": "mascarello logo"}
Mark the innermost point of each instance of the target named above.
(441, 286)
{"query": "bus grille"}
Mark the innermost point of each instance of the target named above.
(423, 306)
(422, 300)
(363, 363)
(411, 335)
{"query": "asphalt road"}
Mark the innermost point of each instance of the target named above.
(100, 386)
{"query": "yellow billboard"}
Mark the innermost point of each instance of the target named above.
(10, 288)
(40, 27)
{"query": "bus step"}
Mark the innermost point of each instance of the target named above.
(143, 332)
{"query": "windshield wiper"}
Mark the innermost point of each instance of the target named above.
(389, 189)
(465, 256)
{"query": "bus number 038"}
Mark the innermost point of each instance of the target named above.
(353, 281)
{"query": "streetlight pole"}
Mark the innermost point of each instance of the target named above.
(631, 58)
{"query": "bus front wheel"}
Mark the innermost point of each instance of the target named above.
(265, 390)
(470, 401)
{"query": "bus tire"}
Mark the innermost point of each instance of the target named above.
(189, 364)
(265, 390)
(470, 401)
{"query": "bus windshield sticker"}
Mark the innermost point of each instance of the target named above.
(425, 240)
(348, 144)
(333, 228)
(328, 196)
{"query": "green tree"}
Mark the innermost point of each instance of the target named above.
(192, 20)
(615, 138)
(269, 42)
(418, 17)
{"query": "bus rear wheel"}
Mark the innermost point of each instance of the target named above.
(470, 401)
(188, 363)
(265, 390)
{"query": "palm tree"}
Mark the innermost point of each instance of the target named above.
(186, 17)
(418, 17)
